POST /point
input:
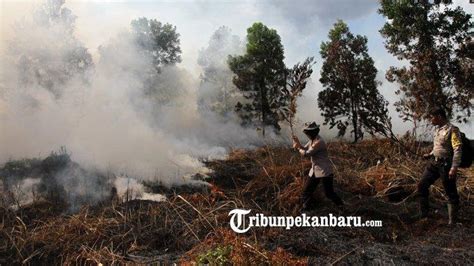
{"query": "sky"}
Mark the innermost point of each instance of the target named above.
(302, 25)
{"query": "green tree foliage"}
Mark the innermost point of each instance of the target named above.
(350, 95)
(45, 51)
(260, 74)
(159, 41)
(160, 44)
(434, 39)
(217, 93)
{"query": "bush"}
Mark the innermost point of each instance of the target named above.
(217, 256)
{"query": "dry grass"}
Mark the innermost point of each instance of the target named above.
(376, 179)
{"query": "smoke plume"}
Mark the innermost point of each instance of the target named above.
(52, 94)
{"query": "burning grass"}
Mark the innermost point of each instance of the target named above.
(376, 179)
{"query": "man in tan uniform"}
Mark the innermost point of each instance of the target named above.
(446, 158)
(321, 166)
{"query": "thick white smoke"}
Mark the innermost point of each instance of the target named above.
(98, 110)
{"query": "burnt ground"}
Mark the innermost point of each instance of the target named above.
(376, 180)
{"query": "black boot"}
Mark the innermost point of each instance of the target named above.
(338, 201)
(424, 207)
(307, 205)
(453, 210)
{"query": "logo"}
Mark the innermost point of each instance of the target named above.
(240, 222)
(237, 220)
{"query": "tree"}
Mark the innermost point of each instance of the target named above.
(158, 41)
(216, 90)
(160, 44)
(260, 74)
(45, 51)
(433, 39)
(348, 75)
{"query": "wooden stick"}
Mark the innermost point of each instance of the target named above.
(343, 256)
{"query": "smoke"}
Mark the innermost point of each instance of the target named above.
(52, 95)
(21, 193)
(129, 188)
(217, 93)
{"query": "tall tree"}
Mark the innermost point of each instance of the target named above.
(433, 38)
(216, 92)
(260, 74)
(159, 41)
(160, 44)
(350, 95)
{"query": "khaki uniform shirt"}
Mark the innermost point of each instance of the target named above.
(317, 150)
(447, 144)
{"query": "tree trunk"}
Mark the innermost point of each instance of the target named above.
(354, 114)
(262, 106)
(354, 124)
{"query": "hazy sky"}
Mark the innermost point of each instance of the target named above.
(302, 25)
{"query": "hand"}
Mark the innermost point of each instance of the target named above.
(427, 156)
(296, 146)
(296, 143)
(453, 172)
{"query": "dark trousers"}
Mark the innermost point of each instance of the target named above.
(432, 173)
(312, 184)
